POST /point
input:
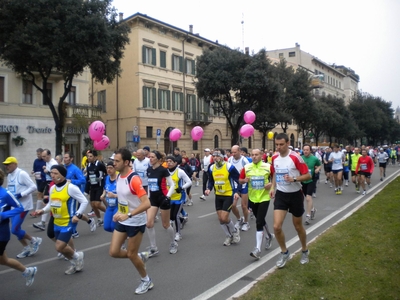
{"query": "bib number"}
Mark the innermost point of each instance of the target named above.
(112, 201)
(92, 179)
(257, 182)
(123, 206)
(219, 186)
(153, 186)
(55, 206)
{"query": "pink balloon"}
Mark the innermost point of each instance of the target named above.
(249, 117)
(97, 130)
(246, 130)
(102, 144)
(197, 133)
(175, 134)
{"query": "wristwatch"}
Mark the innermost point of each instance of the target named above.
(129, 215)
(78, 215)
(294, 179)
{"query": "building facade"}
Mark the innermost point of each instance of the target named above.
(25, 116)
(156, 93)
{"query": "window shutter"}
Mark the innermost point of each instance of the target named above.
(153, 90)
(169, 100)
(143, 54)
(173, 65)
(163, 63)
(144, 96)
(173, 100)
(154, 57)
(159, 99)
(181, 63)
(181, 101)
(193, 67)
(185, 65)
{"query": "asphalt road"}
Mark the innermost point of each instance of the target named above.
(202, 269)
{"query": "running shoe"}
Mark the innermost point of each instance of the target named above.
(91, 214)
(384, 174)
(35, 245)
(239, 223)
(173, 247)
(313, 212)
(79, 261)
(92, 225)
(304, 257)
(144, 256)
(381, 179)
(236, 237)
(314, 195)
(307, 221)
(255, 253)
(331, 186)
(144, 286)
(39, 225)
(190, 202)
(75, 235)
(283, 258)
(153, 251)
(29, 275)
(25, 252)
(60, 255)
(228, 240)
(364, 193)
(99, 223)
(71, 270)
(246, 226)
(202, 197)
(339, 191)
(347, 183)
(178, 237)
(268, 241)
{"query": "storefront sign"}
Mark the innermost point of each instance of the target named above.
(33, 129)
(71, 129)
(9, 128)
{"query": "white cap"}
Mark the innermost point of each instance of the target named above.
(112, 156)
(207, 150)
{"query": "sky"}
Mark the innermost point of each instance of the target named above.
(363, 35)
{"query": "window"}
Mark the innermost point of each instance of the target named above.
(101, 100)
(2, 88)
(149, 97)
(163, 59)
(177, 101)
(177, 63)
(49, 87)
(148, 55)
(216, 141)
(191, 106)
(149, 131)
(72, 96)
(195, 145)
(190, 66)
(249, 143)
(27, 92)
(280, 55)
(292, 54)
(164, 99)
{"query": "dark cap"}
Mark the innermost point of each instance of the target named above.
(146, 148)
(61, 169)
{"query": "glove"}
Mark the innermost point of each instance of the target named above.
(18, 196)
(178, 190)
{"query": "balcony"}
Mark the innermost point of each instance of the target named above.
(198, 119)
(83, 110)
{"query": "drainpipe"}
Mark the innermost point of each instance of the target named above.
(117, 98)
(184, 87)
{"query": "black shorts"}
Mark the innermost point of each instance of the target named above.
(223, 203)
(3, 245)
(337, 171)
(353, 173)
(131, 231)
(158, 200)
(327, 168)
(382, 165)
(366, 174)
(41, 186)
(292, 202)
(95, 194)
(308, 188)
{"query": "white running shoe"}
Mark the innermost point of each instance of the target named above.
(178, 237)
(246, 226)
(79, 261)
(228, 240)
(92, 225)
(236, 237)
(239, 223)
(173, 248)
(25, 252)
(35, 245)
(29, 275)
(255, 253)
(144, 286)
(268, 241)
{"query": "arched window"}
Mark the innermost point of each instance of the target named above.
(292, 140)
(216, 141)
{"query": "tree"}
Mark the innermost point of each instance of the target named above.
(42, 38)
(234, 82)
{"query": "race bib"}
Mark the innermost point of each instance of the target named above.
(193, 168)
(337, 161)
(55, 206)
(219, 186)
(152, 184)
(363, 166)
(257, 182)
(12, 189)
(280, 176)
(141, 174)
(112, 201)
(38, 175)
(48, 177)
(123, 206)
(93, 179)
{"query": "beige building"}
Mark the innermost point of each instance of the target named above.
(156, 92)
(338, 81)
(24, 114)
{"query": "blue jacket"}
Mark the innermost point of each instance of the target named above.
(75, 175)
(38, 167)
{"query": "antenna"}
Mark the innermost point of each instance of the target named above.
(243, 32)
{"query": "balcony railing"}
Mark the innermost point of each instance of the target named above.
(198, 118)
(83, 110)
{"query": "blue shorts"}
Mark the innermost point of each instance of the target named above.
(64, 233)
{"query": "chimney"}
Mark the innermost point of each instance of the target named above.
(121, 16)
(247, 50)
(191, 28)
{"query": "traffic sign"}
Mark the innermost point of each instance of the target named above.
(158, 132)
